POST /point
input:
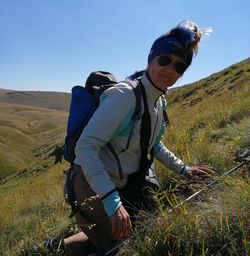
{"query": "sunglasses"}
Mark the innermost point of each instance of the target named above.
(164, 61)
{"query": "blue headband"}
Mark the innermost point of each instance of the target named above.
(175, 42)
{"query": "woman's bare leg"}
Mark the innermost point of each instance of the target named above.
(76, 244)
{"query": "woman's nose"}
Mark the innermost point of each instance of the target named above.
(170, 68)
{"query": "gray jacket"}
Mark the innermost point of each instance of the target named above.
(111, 123)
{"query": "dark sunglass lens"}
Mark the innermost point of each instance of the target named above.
(180, 67)
(164, 61)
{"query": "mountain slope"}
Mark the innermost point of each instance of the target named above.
(52, 100)
(27, 133)
(212, 114)
(228, 80)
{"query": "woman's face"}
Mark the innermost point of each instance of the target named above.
(164, 70)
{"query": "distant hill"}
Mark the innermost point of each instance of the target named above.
(52, 100)
(28, 133)
(32, 123)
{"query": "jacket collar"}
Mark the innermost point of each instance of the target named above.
(153, 93)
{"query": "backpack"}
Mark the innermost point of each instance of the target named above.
(84, 102)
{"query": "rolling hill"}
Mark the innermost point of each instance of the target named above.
(28, 133)
(51, 100)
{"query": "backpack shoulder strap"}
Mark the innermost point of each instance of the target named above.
(138, 110)
(146, 122)
(165, 115)
(137, 91)
(145, 134)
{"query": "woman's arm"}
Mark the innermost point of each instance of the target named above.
(169, 159)
(116, 104)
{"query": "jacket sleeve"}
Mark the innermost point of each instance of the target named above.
(170, 160)
(116, 103)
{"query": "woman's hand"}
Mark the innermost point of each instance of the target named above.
(121, 224)
(199, 171)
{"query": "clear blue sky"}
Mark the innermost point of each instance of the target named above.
(51, 45)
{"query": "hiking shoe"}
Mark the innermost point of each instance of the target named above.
(54, 245)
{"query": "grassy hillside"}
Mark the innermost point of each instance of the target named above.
(209, 122)
(29, 121)
(210, 119)
(53, 100)
(26, 133)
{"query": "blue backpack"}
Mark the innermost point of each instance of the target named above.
(84, 102)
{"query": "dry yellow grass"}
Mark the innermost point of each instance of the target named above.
(23, 130)
(32, 210)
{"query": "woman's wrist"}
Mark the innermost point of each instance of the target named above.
(184, 170)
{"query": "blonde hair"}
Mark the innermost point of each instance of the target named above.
(194, 45)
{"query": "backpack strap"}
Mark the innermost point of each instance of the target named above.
(145, 162)
(165, 115)
(71, 193)
(138, 111)
(145, 133)
(137, 91)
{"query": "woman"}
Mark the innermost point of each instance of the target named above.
(98, 183)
